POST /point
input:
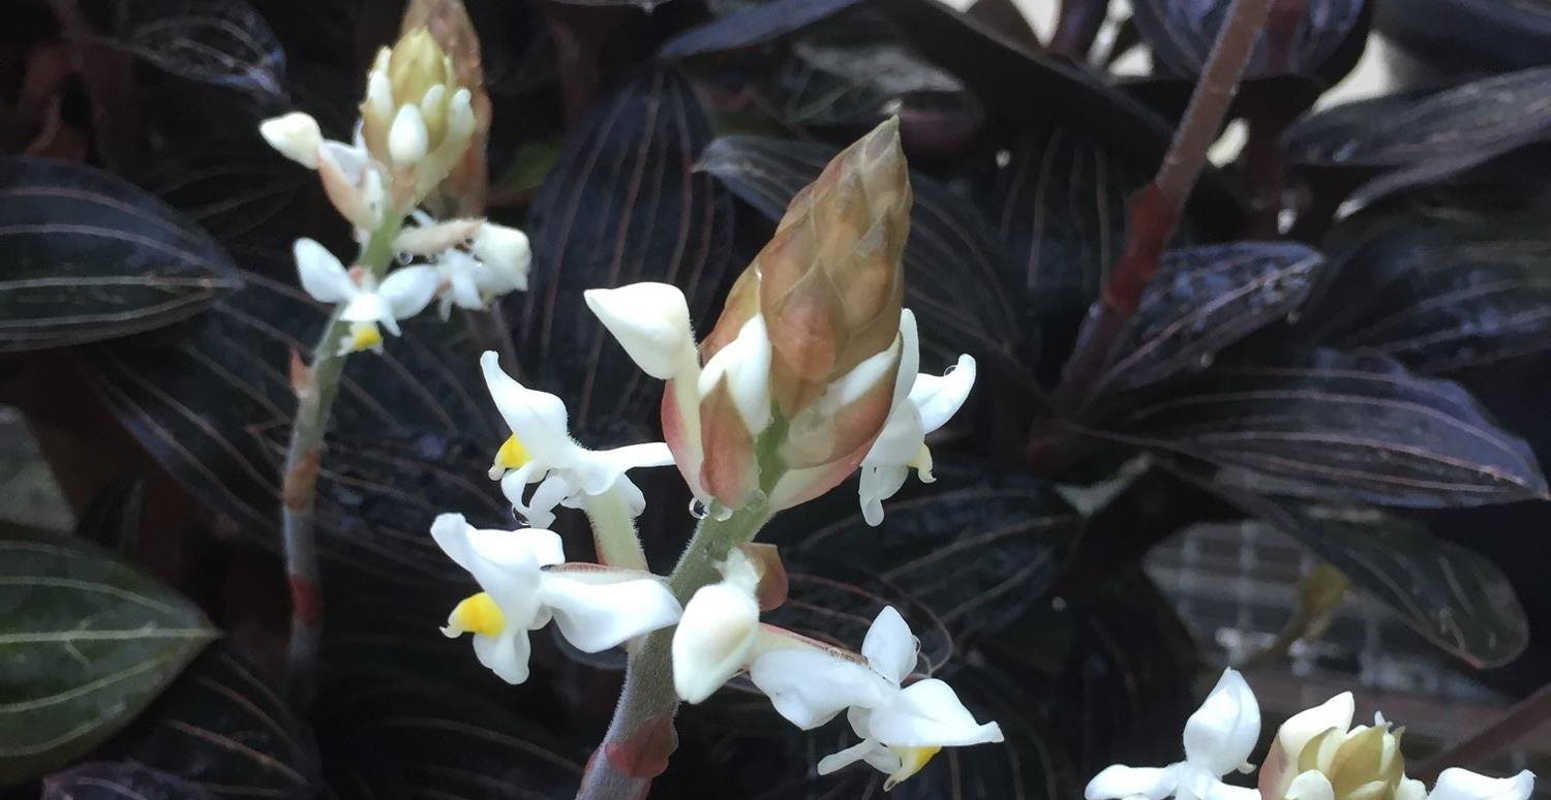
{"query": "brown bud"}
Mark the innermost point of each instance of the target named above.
(831, 284)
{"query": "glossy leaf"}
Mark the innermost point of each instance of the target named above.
(1440, 297)
(1450, 594)
(221, 728)
(751, 26)
(1204, 299)
(952, 266)
(214, 408)
(116, 780)
(1340, 427)
(1181, 35)
(975, 548)
(1468, 35)
(622, 205)
(91, 257)
(222, 43)
(88, 642)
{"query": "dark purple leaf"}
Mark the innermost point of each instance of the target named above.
(1204, 299)
(1181, 34)
(1340, 427)
(1465, 36)
(220, 42)
(622, 204)
(1440, 297)
(1450, 594)
(751, 26)
(91, 257)
(118, 780)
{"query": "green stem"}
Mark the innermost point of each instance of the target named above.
(303, 459)
(613, 530)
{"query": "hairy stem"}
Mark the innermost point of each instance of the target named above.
(1515, 723)
(640, 738)
(1155, 208)
(315, 393)
(613, 530)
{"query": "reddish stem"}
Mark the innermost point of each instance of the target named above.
(1515, 723)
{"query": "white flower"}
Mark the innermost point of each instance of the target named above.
(541, 450)
(524, 586)
(404, 293)
(713, 639)
(923, 403)
(1455, 783)
(475, 261)
(295, 135)
(1218, 739)
(901, 728)
(354, 182)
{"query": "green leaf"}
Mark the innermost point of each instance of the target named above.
(87, 642)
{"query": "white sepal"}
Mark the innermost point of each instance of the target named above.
(651, 321)
(408, 290)
(809, 687)
(295, 135)
(322, 275)
(1222, 733)
(717, 631)
(507, 253)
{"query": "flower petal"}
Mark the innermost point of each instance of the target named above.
(505, 654)
(713, 638)
(809, 687)
(651, 321)
(408, 290)
(540, 508)
(862, 751)
(1455, 783)
(597, 616)
(321, 273)
(1118, 781)
(1309, 785)
(878, 483)
(295, 135)
(1220, 735)
(939, 398)
(889, 647)
(1335, 713)
(538, 418)
(507, 253)
(600, 469)
(928, 713)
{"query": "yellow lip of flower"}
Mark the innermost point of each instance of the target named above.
(364, 336)
(911, 761)
(475, 614)
(511, 456)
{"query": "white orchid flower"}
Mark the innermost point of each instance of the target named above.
(365, 303)
(1219, 737)
(354, 181)
(717, 631)
(525, 584)
(928, 403)
(475, 260)
(901, 728)
(540, 450)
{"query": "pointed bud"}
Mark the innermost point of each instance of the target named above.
(831, 276)
(506, 252)
(651, 321)
(717, 631)
(408, 139)
(295, 135)
(416, 64)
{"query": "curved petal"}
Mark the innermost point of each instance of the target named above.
(1455, 783)
(939, 398)
(926, 714)
(451, 534)
(877, 483)
(321, 273)
(537, 418)
(408, 290)
(1217, 790)
(1220, 735)
(1118, 781)
(600, 469)
(866, 750)
(507, 253)
(597, 616)
(809, 687)
(651, 321)
(1410, 789)
(1335, 713)
(1309, 785)
(889, 647)
(368, 306)
(713, 638)
(552, 491)
(506, 564)
(745, 364)
(505, 654)
(295, 135)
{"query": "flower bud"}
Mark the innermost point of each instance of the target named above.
(416, 115)
(1314, 750)
(506, 252)
(407, 139)
(651, 321)
(295, 135)
(717, 631)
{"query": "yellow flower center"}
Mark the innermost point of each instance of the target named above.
(911, 760)
(476, 614)
(364, 336)
(511, 456)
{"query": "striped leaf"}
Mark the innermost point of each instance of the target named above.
(85, 643)
(91, 257)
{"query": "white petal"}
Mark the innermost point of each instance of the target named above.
(430, 238)
(295, 135)
(939, 398)
(599, 470)
(408, 290)
(862, 751)
(506, 565)
(505, 654)
(1455, 783)
(809, 687)
(651, 321)
(928, 713)
(879, 483)
(1217, 790)
(370, 306)
(1220, 735)
(890, 647)
(1118, 781)
(1410, 789)
(407, 136)
(537, 418)
(321, 273)
(1306, 724)
(713, 639)
(595, 616)
(464, 288)
(552, 491)
(745, 364)
(379, 91)
(1309, 785)
(506, 251)
(909, 359)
